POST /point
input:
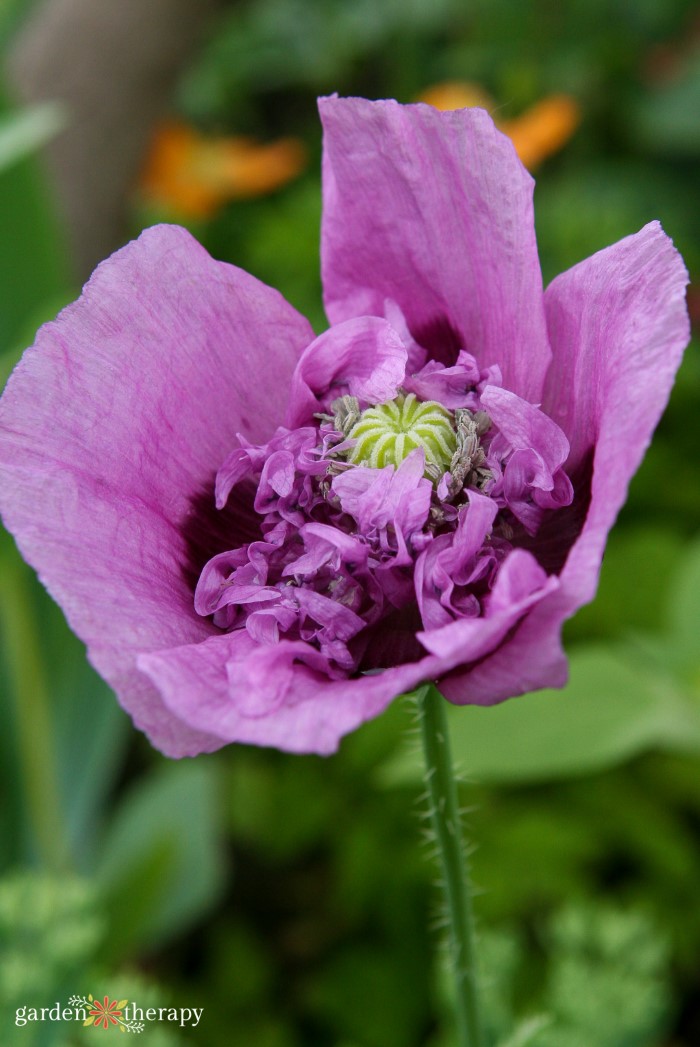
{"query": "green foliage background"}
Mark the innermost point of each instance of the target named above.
(290, 897)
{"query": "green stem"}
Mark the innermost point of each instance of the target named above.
(444, 813)
(19, 632)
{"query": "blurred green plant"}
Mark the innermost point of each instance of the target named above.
(52, 936)
(34, 266)
(608, 984)
(664, 114)
(49, 928)
(160, 865)
(603, 978)
(25, 131)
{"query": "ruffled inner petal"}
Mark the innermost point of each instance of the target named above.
(349, 555)
(282, 695)
(363, 357)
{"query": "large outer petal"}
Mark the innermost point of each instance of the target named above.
(434, 211)
(120, 413)
(618, 327)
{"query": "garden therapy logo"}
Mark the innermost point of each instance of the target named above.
(101, 1014)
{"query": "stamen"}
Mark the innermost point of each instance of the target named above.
(346, 412)
(467, 463)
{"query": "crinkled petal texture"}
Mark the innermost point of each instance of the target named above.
(110, 427)
(433, 211)
(618, 325)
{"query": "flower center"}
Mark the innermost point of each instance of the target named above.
(387, 433)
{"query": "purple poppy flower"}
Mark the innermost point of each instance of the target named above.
(264, 536)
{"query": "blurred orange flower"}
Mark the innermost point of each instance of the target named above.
(456, 94)
(537, 133)
(193, 175)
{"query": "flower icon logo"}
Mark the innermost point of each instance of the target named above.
(108, 1012)
(102, 1014)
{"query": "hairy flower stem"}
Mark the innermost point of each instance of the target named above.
(444, 813)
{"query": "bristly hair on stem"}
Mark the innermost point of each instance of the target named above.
(448, 839)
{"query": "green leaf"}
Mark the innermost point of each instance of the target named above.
(282, 247)
(665, 121)
(611, 710)
(160, 865)
(357, 990)
(11, 12)
(91, 732)
(684, 610)
(577, 216)
(528, 1030)
(25, 131)
(38, 315)
(633, 582)
(34, 263)
(60, 716)
(26, 720)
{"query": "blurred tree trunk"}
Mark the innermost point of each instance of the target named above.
(114, 63)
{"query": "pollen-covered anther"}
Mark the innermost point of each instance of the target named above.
(346, 413)
(467, 463)
(389, 432)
